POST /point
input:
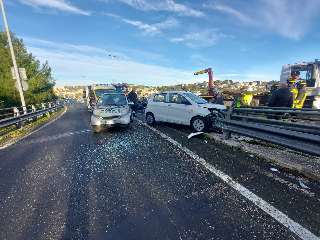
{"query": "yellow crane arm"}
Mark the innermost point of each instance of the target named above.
(203, 71)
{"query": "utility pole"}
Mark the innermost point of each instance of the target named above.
(14, 61)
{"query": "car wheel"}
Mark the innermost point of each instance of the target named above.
(96, 130)
(150, 119)
(199, 124)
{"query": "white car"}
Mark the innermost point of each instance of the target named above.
(184, 108)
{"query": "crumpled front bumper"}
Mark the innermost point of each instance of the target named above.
(108, 122)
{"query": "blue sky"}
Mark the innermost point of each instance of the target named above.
(164, 42)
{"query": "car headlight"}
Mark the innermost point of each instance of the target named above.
(96, 112)
(124, 111)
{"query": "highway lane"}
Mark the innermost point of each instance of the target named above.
(65, 182)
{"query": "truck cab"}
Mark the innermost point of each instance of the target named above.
(307, 72)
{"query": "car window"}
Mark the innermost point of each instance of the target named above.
(161, 97)
(195, 98)
(176, 98)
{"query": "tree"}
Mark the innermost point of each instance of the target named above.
(39, 77)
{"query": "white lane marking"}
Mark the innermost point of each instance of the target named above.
(9, 144)
(259, 202)
(54, 137)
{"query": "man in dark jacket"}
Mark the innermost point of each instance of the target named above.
(218, 99)
(132, 96)
(281, 98)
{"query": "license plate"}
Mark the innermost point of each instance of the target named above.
(111, 122)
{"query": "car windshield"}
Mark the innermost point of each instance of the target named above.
(117, 99)
(100, 92)
(195, 98)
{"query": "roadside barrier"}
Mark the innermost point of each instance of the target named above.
(13, 116)
(256, 122)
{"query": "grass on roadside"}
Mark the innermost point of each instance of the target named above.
(266, 144)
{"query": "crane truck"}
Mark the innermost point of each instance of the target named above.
(309, 73)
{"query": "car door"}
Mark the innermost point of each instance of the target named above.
(159, 106)
(179, 109)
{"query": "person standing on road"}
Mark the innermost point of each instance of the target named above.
(273, 89)
(132, 96)
(292, 86)
(245, 98)
(281, 98)
(302, 93)
(293, 89)
(300, 97)
(217, 98)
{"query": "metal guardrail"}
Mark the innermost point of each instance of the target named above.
(18, 118)
(257, 122)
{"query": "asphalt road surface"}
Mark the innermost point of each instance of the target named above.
(66, 182)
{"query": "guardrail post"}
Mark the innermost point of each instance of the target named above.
(226, 134)
(33, 109)
(244, 114)
(16, 112)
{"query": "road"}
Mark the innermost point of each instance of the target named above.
(66, 182)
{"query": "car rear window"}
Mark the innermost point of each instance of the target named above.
(161, 97)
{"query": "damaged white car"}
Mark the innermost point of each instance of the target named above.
(185, 108)
(111, 110)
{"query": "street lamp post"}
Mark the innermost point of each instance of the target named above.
(14, 60)
(112, 68)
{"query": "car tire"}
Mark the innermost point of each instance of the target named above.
(199, 124)
(150, 119)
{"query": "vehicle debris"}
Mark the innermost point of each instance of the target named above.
(194, 134)
(302, 185)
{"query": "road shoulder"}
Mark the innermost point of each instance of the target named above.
(284, 158)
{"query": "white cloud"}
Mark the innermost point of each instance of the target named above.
(176, 39)
(224, 35)
(231, 11)
(153, 29)
(61, 5)
(205, 38)
(163, 5)
(290, 18)
(66, 47)
(70, 62)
